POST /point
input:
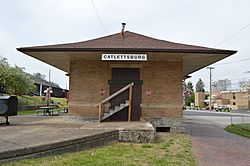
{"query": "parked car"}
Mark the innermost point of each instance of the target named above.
(222, 108)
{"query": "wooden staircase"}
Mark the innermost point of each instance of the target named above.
(128, 103)
(115, 110)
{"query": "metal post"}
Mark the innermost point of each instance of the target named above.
(210, 87)
(49, 74)
(41, 90)
(248, 99)
(231, 119)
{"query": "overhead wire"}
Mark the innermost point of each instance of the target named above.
(98, 16)
(232, 35)
(230, 38)
(233, 62)
(101, 23)
(235, 79)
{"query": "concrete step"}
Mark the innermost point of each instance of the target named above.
(124, 105)
(115, 110)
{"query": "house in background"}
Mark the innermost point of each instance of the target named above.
(57, 91)
(236, 100)
(101, 67)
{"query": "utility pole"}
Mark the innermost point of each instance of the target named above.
(49, 74)
(210, 87)
(248, 101)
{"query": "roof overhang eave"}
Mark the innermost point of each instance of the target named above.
(214, 51)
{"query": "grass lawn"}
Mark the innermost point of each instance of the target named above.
(240, 129)
(62, 101)
(36, 100)
(28, 112)
(245, 126)
(30, 100)
(174, 150)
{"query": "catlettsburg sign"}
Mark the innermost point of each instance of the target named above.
(124, 57)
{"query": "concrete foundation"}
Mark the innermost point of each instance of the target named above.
(43, 136)
(176, 124)
(129, 135)
(57, 148)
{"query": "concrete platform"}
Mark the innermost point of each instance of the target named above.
(32, 136)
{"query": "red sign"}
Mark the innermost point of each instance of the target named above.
(101, 92)
(149, 92)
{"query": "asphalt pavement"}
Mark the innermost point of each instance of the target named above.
(212, 145)
(221, 119)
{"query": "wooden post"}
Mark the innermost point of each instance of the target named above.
(130, 101)
(100, 111)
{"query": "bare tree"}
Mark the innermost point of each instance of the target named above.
(221, 85)
(244, 84)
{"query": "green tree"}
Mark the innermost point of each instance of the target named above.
(200, 86)
(190, 99)
(4, 74)
(190, 86)
(14, 80)
(41, 79)
(188, 92)
(18, 82)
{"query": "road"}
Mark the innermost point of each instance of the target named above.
(221, 119)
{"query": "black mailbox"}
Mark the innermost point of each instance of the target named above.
(8, 106)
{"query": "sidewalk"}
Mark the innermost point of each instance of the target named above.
(213, 146)
(33, 134)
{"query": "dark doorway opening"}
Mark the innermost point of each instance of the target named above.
(120, 78)
(162, 129)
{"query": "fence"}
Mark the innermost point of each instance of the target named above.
(236, 119)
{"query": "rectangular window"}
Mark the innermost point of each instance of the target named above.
(234, 96)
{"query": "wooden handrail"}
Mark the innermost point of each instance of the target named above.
(116, 94)
(130, 101)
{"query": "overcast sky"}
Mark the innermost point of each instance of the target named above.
(198, 22)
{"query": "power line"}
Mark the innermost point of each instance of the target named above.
(241, 78)
(232, 35)
(231, 79)
(99, 18)
(215, 77)
(233, 62)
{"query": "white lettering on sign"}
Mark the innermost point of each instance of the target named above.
(124, 57)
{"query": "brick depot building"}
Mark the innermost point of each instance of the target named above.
(100, 67)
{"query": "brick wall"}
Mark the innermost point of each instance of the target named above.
(86, 80)
(199, 99)
(163, 78)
